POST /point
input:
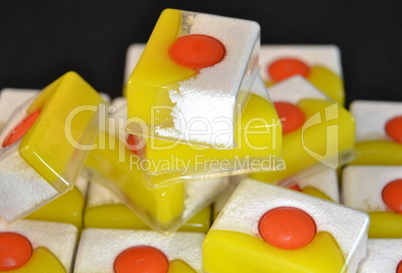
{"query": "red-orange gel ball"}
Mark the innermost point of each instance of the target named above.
(291, 116)
(399, 268)
(287, 228)
(294, 187)
(392, 195)
(15, 251)
(141, 259)
(197, 51)
(394, 129)
(287, 67)
(135, 145)
(20, 130)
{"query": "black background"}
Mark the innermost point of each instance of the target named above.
(41, 40)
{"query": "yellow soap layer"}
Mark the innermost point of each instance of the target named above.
(385, 224)
(68, 208)
(327, 82)
(329, 133)
(121, 217)
(230, 251)
(378, 153)
(179, 266)
(43, 261)
(315, 192)
(49, 145)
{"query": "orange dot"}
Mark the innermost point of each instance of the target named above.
(394, 129)
(294, 187)
(135, 145)
(197, 51)
(291, 116)
(20, 130)
(392, 195)
(399, 268)
(141, 259)
(287, 227)
(15, 251)
(287, 67)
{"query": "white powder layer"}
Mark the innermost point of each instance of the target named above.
(384, 255)
(252, 199)
(99, 248)
(324, 55)
(120, 107)
(11, 99)
(59, 238)
(201, 193)
(99, 195)
(208, 100)
(325, 181)
(295, 89)
(223, 198)
(371, 118)
(82, 185)
(22, 189)
(258, 88)
(16, 111)
(363, 185)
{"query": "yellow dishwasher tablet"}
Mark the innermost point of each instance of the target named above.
(42, 145)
